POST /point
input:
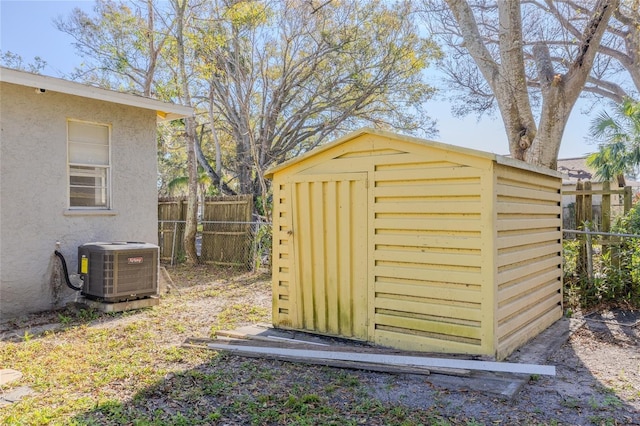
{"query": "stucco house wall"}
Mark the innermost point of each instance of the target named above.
(34, 206)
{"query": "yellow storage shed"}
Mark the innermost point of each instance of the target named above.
(416, 245)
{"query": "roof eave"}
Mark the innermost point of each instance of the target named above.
(165, 111)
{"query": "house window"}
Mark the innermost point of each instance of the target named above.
(89, 165)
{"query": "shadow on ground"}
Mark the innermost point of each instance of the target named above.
(597, 379)
(235, 390)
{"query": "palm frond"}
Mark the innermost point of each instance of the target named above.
(619, 150)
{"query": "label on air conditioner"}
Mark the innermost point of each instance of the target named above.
(135, 260)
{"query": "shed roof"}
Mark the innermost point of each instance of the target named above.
(165, 111)
(418, 141)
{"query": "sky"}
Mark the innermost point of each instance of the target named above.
(27, 29)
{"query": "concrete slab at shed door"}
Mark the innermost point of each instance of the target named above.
(329, 237)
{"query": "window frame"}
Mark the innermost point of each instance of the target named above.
(106, 169)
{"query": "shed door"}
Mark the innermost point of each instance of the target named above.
(330, 250)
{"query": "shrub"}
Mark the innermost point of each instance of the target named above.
(616, 270)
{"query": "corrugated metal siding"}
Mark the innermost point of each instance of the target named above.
(529, 255)
(427, 256)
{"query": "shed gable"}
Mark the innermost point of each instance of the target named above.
(363, 151)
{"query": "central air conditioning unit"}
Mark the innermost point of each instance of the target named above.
(118, 271)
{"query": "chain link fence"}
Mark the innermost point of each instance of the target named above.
(245, 245)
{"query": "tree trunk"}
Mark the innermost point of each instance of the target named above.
(508, 80)
(561, 91)
(546, 146)
(192, 201)
(191, 221)
(213, 175)
(216, 140)
(632, 41)
(243, 168)
(153, 52)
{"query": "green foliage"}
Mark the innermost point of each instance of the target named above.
(619, 137)
(263, 205)
(247, 13)
(610, 281)
(88, 315)
(268, 80)
(629, 256)
(64, 319)
(180, 185)
(616, 268)
(263, 241)
(570, 251)
(629, 223)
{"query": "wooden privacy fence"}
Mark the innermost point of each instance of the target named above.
(224, 227)
(587, 224)
(171, 211)
(226, 230)
(584, 208)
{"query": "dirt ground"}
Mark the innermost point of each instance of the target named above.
(597, 381)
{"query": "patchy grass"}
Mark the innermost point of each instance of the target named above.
(102, 360)
(239, 313)
(129, 369)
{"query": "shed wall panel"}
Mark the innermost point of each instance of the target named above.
(529, 255)
(426, 255)
(437, 329)
(409, 340)
(425, 232)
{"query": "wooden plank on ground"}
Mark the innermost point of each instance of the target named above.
(306, 355)
(356, 365)
(266, 337)
(283, 344)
